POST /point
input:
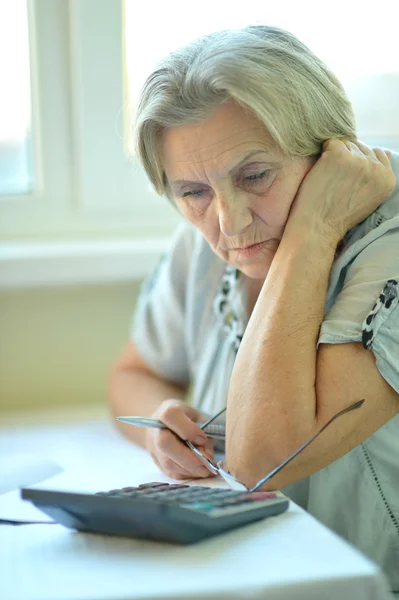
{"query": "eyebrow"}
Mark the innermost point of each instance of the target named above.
(250, 155)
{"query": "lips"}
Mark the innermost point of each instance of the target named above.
(251, 251)
(249, 246)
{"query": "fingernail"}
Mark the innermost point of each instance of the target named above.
(200, 440)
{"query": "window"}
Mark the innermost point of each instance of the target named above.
(87, 185)
(88, 214)
(355, 41)
(16, 159)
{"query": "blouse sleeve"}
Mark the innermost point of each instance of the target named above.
(158, 323)
(367, 308)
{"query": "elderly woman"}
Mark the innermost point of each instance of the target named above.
(279, 295)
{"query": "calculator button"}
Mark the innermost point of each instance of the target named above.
(260, 495)
(193, 493)
(154, 484)
(226, 494)
(177, 486)
(230, 501)
(204, 497)
(176, 494)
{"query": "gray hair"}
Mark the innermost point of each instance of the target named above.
(266, 70)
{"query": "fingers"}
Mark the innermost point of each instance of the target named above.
(171, 468)
(354, 148)
(179, 421)
(176, 471)
(345, 146)
(375, 153)
(173, 449)
(181, 454)
(384, 156)
(167, 446)
(358, 148)
(335, 144)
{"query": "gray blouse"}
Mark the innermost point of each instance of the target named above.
(189, 320)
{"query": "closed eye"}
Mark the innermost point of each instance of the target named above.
(194, 193)
(257, 176)
(250, 178)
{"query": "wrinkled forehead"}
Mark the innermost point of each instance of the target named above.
(218, 142)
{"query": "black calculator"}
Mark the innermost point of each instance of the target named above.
(178, 513)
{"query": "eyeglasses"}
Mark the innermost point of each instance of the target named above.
(217, 469)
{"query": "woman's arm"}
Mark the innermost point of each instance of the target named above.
(272, 394)
(282, 390)
(135, 390)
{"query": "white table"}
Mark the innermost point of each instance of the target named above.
(289, 557)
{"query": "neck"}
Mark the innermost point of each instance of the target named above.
(254, 287)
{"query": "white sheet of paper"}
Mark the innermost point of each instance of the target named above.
(23, 469)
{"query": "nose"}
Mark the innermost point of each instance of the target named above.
(234, 214)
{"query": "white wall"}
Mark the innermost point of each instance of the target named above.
(57, 344)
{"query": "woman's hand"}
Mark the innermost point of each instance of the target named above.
(171, 455)
(346, 184)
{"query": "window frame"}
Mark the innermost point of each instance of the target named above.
(85, 184)
(80, 224)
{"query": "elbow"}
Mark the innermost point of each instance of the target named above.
(247, 471)
(249, 463)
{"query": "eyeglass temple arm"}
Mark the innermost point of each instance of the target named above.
(290, 458)
(212, 418)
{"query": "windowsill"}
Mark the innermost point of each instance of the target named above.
(69, 263)
(51, 415)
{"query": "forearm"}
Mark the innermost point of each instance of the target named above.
(135, 392)
(272, 394)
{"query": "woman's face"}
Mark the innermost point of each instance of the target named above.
(234, 185)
